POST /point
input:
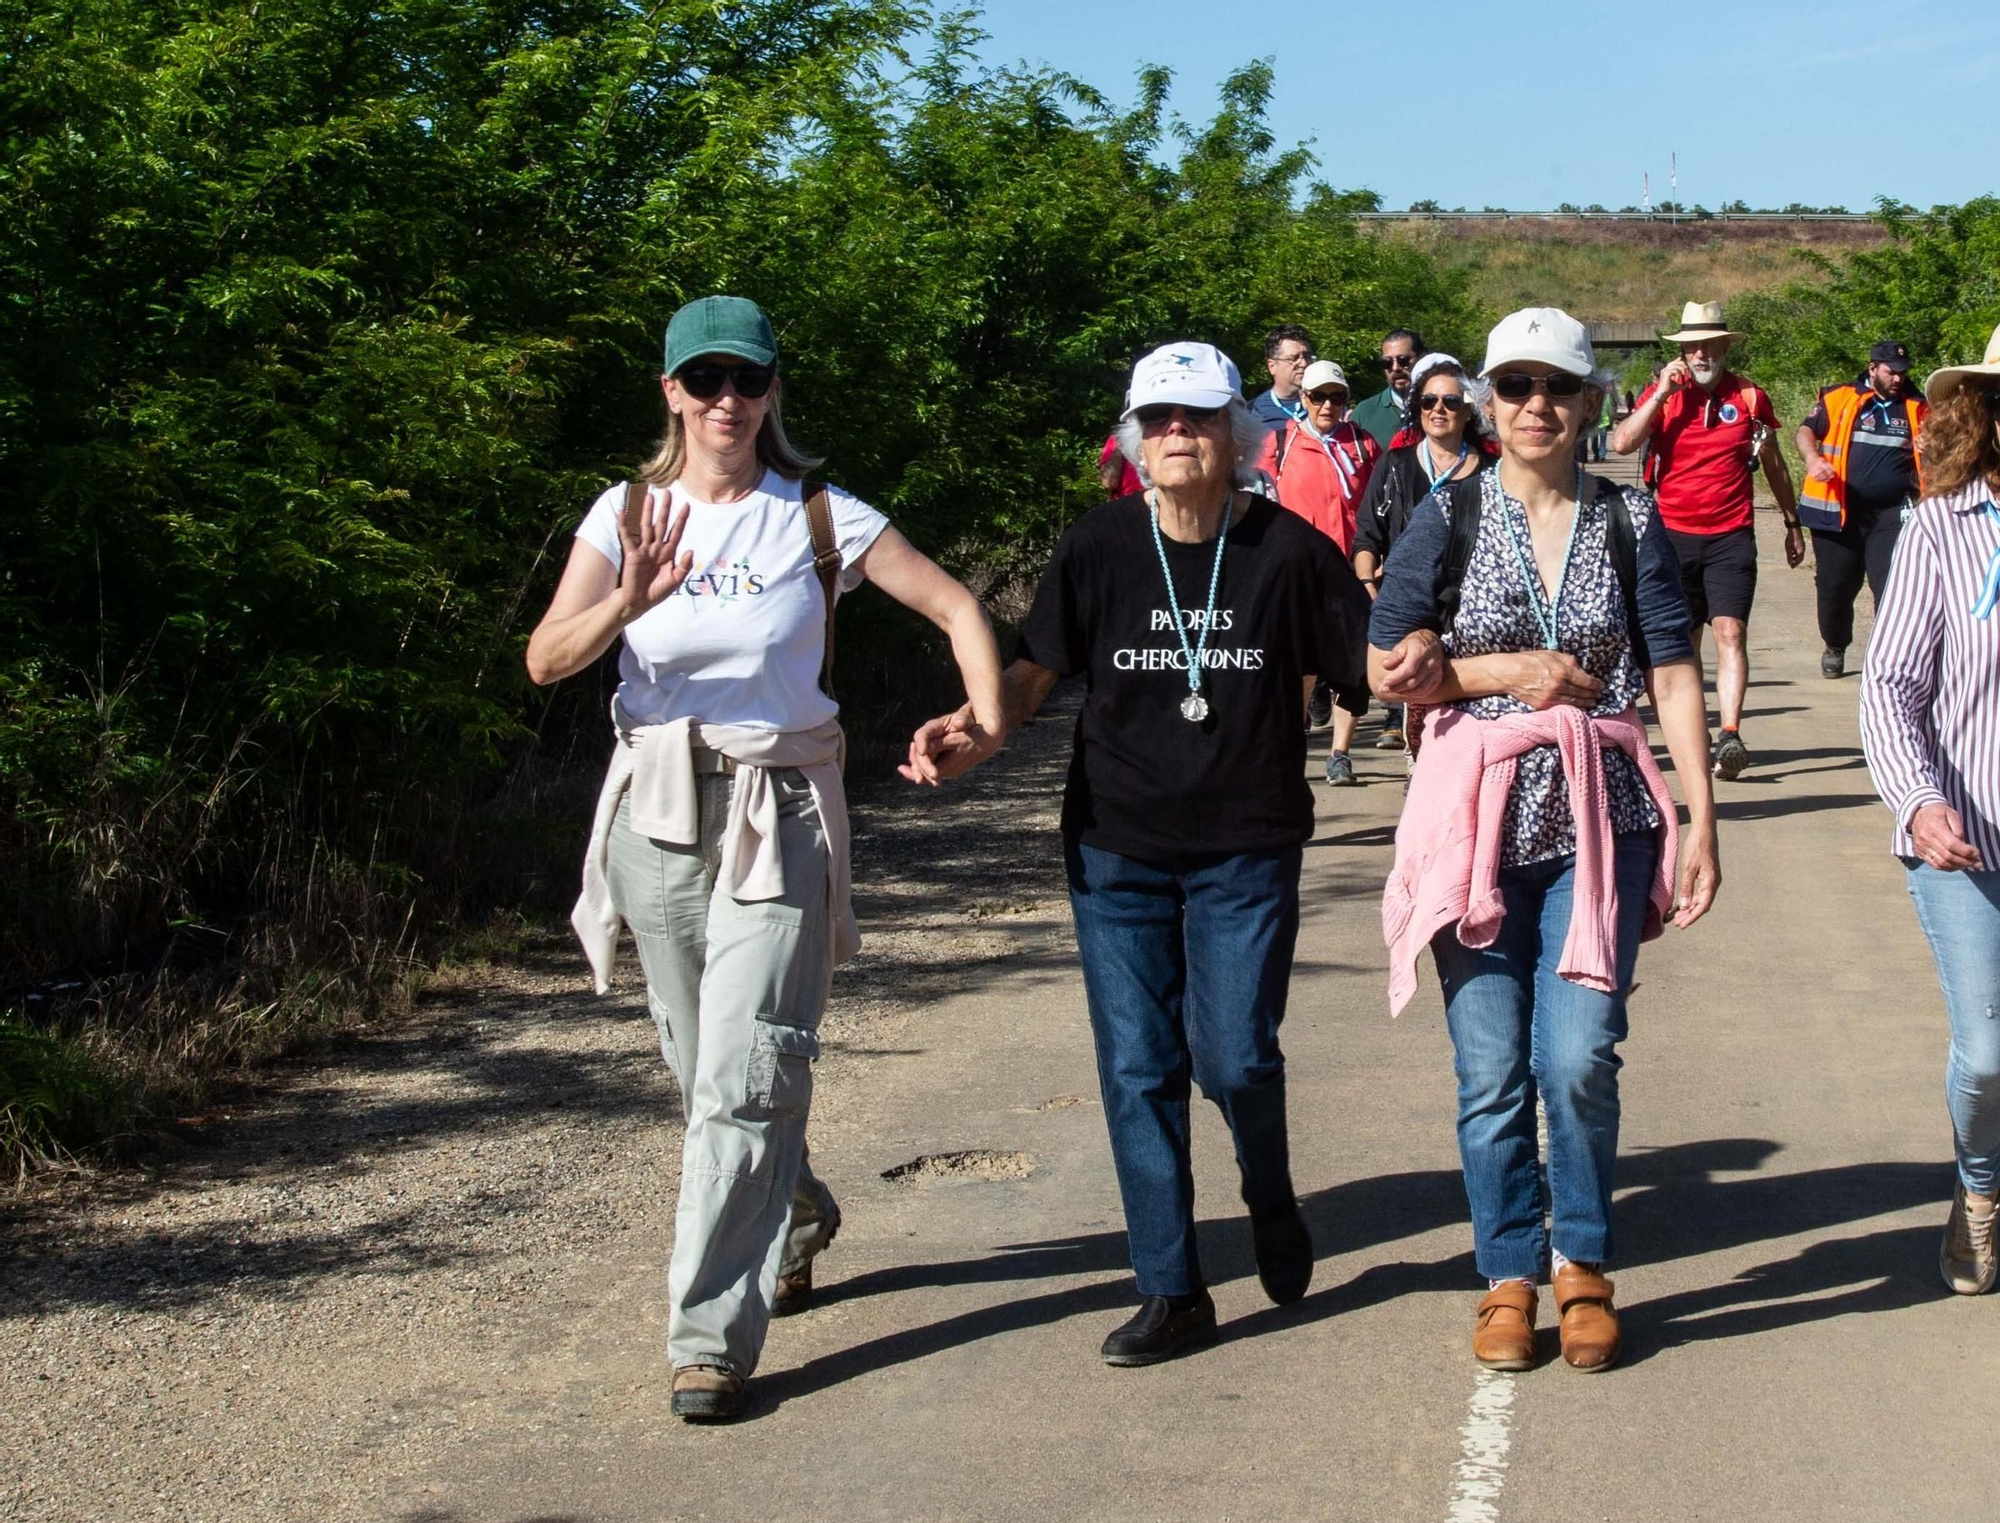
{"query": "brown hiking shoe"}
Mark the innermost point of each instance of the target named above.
(707, 1393)
(794, 1293)
(1503, 1337)
(1967, 1255)
(1589, 1325)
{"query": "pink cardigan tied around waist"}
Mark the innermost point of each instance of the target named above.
(1448, 843)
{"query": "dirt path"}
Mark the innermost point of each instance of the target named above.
(286, 1312)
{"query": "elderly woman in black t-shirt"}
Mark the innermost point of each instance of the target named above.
(1196, 612)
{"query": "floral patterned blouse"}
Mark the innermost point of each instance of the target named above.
(1501, 606)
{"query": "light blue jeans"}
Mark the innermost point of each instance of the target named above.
(1518, 1030)
(1960, 915)
(736, 990)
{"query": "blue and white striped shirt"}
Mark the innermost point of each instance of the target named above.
(1930, 691)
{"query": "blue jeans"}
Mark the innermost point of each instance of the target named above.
(1186, 966)
(1518, 1030)
(1960, 914)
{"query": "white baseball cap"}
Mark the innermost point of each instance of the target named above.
(1547, 334)
(1194, 375)
(1323, 373)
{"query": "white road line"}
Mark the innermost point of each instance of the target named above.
(1483, 1439)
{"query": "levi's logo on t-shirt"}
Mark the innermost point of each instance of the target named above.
(1161, 658)
(724, 581)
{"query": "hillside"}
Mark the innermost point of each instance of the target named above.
(1626, 271)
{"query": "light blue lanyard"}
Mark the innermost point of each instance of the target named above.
(1989, 596)
(1194, 654)
(1546, 610)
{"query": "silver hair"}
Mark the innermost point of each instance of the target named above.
(1244, 425)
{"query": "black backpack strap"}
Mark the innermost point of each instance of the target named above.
(1621, 542)
(1462, 500)
(1284, 448)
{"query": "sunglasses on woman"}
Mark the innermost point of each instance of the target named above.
(1324, 397)
(1518, 386)
(1156, 413)
(1433, 401)
(707, 381)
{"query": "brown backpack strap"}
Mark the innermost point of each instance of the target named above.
(826, 563)
(636, 493)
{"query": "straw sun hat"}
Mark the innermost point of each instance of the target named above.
(1946, 381)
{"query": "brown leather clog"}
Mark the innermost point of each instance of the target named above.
(1503, 1337)
(1589, 1325)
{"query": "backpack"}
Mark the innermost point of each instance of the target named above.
(1621, 540)
(826, 555)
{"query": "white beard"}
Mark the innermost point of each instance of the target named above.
(1705, 374)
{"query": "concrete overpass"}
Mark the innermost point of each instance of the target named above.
(1608, 335)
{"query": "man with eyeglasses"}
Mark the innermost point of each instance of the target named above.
(1863, 478)
(1708, 430)
(1288, 349)
(1383, 414)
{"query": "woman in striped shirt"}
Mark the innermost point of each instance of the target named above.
(1930, 722)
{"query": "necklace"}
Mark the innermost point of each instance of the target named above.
(1194, 707)
(1545, 609)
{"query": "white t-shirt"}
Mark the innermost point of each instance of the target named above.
(741, 641)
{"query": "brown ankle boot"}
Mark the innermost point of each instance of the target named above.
(1503, 1338)
(1589, 1325)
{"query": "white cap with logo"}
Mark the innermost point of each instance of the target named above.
(1322, 373)
(1547, 335)
(1193, 375)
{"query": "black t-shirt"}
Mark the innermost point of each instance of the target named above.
(1881, 457)
(1144, 781)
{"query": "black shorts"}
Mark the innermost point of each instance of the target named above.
(1718, 573)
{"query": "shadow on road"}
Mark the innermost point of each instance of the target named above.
(1679, 1210)
(1810, 803)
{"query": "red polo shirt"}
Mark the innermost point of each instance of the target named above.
(1703, 441)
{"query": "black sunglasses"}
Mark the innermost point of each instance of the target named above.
(1431, 400)
(1518, 386)
(1397, 361)
(1326, 394)
(707, 381)
(1160, 412)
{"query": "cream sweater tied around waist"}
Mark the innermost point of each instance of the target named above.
(1447, 870)
(655, 764)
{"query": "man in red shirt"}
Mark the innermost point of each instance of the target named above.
(1709, 429)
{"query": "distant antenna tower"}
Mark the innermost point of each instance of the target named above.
(1646, 193)
(1674, 181)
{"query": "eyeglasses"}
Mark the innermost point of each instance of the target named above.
(1325, 395)
(1397, 361)
(707, 381)
(1431, 401)
(1518, 385)
(1156, 413)
(1303, 357)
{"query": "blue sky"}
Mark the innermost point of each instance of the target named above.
(1525, 106)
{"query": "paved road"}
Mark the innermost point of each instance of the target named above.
(1792, 1353)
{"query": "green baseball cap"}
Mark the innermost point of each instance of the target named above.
(721, 325)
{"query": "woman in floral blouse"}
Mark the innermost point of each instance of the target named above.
(1539, 845)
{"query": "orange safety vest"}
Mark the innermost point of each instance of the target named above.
(1823, 504)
